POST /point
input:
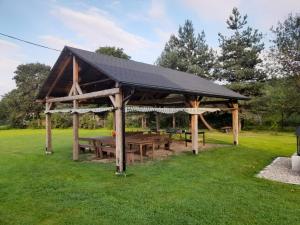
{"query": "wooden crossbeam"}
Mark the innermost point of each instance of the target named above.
(113, 101)
(95, 94)
(78, 88)
(71, 90)
(95, 82)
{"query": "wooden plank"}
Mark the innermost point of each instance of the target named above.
(95, 94)
(235, 123)
(58, 75)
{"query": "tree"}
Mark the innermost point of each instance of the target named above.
(239, 59)
(286, 48)
(284, 94)
(113, 51)
(19, 104)
(280, 102)
(188, 53)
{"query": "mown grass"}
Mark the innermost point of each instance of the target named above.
(215, 187)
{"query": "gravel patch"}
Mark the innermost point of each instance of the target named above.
(280, 170)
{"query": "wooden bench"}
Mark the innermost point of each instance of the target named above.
(84, 147)
(188, 137)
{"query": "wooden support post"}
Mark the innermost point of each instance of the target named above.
(75, 115)
(194, 126)
(195, 134)
(119, 133)
(114, 120)
(235, 123)
(174, 121)
(48, 149)
(142, 122)
(157, 121)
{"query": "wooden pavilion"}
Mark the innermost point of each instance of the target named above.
(82, 77)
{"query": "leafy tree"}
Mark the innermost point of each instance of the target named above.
(239, 58)
(281, 96)
(188, 52)
(19, 105)
(286, 49)
(10, 109)
(279, 102)
(280, 105)
(113, 51)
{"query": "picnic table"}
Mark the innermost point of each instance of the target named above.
(106, 144)
(226, 129)
(141, 143)
(95, 143)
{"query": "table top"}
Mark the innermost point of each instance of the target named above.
(110, 139)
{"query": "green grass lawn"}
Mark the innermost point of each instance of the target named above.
(215, 187)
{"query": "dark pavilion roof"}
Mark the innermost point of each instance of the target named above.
(129, 73)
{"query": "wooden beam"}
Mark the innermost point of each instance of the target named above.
(75, 115)
(95, 94)
(235, 123)
(71, 92)
(194, 125)
(95, 82)
(157, 122)
(58, 75)
(48, 149)
(79, 91)
(119, 133)
(174, 121)
(112, 99)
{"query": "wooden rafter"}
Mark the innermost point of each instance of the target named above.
(59, 75)
(95, 82)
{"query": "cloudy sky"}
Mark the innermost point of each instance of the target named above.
(140, 27)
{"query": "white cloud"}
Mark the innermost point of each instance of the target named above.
(267, 12)
(57, 42)
(264, 13)
(9, 60)
(157, 10)
(213, 10)
(95, 28)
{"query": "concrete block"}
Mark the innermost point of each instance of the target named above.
(296, 162)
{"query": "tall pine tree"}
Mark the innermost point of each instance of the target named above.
(240, 56)
(188, 52)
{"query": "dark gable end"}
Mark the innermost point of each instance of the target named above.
(132, 73)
